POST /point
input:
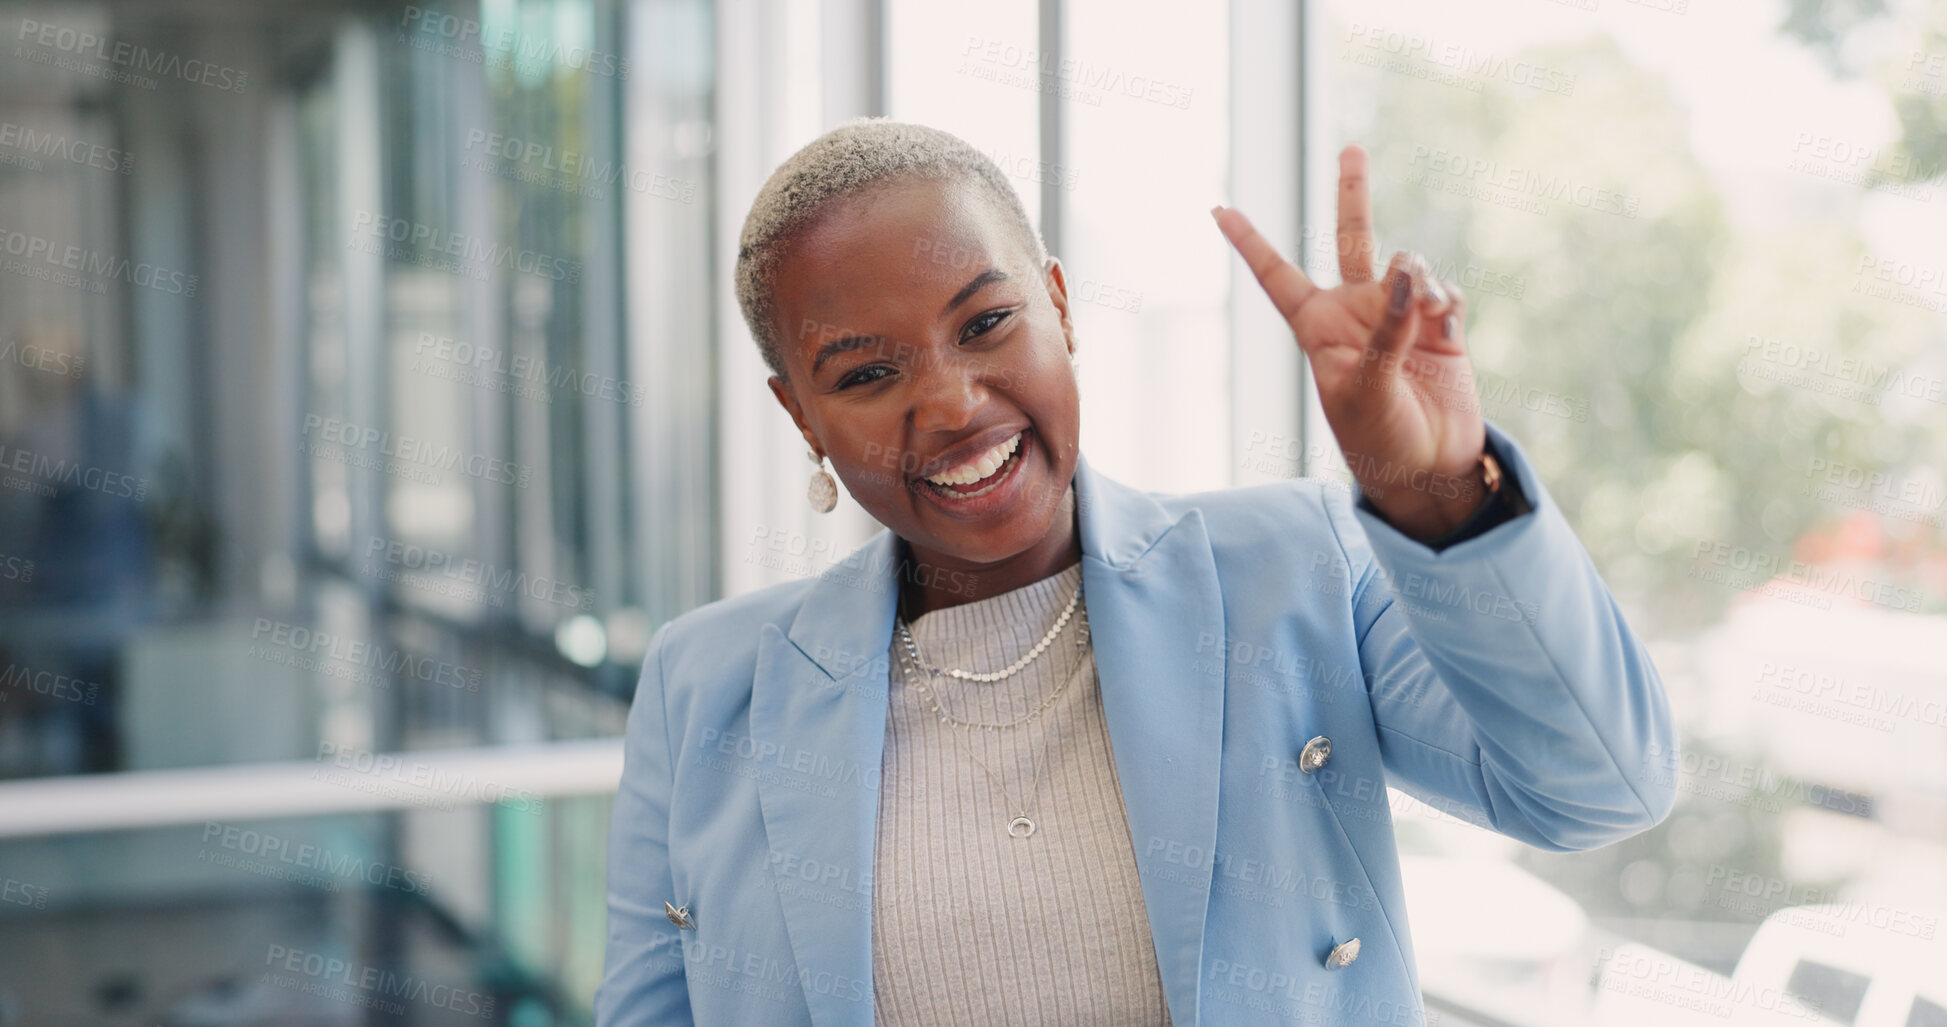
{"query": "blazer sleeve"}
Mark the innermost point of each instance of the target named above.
(1505, 686)
(643, 981)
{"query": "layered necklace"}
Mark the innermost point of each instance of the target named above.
(1021, 826)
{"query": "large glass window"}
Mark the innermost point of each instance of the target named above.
(1701, 246)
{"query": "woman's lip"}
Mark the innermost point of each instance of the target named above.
(991, 440)
(992, 477)
(1000, 494)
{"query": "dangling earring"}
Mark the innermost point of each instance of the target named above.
(823, 492)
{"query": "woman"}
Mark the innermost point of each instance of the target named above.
(1049, 750)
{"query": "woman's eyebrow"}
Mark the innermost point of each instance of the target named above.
(979, 282)
(837, 346)
(852, 342)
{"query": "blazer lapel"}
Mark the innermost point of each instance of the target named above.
(1155, 611)
(1156, 620)
(822, 692)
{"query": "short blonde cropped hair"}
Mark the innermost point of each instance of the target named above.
(843, 162)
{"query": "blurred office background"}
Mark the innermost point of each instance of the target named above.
(371, 387)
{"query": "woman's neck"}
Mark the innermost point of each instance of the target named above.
(931, 581)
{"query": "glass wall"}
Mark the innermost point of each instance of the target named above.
(343, 489)
(372, 387)
(1702, 247)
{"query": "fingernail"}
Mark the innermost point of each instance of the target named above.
(1453, 326)
(1218, 209)
(1402, 291)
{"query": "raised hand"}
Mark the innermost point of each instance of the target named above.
(1392, 369)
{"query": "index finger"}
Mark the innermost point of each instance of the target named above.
(1355, 243)
(1287, 285)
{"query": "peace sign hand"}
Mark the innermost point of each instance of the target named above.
(1392, 370)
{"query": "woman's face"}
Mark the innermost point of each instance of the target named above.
(919, 339)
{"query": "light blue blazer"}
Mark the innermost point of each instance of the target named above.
(1236, 634)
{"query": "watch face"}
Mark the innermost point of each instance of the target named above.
(1491, 472)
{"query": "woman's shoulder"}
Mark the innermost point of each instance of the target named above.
(720, 631)
(1300, 514)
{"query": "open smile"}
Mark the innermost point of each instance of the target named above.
(982, 484)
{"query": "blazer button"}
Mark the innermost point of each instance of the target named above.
(1342, 955)
(679, 915)
(1317, 751)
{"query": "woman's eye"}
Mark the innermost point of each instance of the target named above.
(984, 323)
(864, 375)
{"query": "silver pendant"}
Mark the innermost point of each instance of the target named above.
(1020, 827)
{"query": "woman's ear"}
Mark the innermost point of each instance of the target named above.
(1057, 284)
(789, 401)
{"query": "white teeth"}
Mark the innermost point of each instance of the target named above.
(982, 466)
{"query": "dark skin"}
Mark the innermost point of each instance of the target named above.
(926, 377)
(918, 331)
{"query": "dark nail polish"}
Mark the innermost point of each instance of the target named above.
(1402, 292)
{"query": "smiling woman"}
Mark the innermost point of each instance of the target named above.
(1016, 805)
(918, 333)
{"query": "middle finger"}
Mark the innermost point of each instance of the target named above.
(1355, 243)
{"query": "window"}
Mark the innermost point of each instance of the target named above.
(1834, 993)
(1697, 243)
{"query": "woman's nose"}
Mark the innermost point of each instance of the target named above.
(951, 392)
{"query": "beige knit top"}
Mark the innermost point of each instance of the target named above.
(969, 925)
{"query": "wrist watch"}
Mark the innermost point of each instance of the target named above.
(1491, 476)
